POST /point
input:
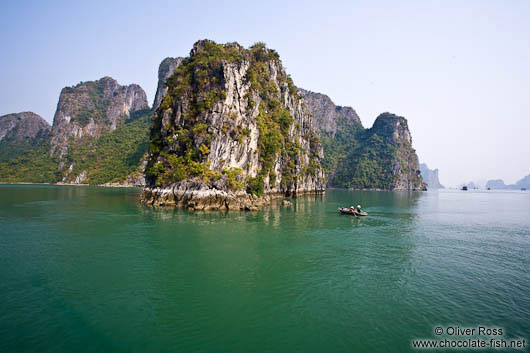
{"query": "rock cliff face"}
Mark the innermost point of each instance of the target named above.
(91, 109)
(20, 132)
(165, 70)
(383, 159)
(430, 177)
(378, 158)
(329, 117)
(100, 136)
(231, 132)
(340, 129)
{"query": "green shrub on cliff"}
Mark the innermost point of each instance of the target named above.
(255, 185)
(233, 176)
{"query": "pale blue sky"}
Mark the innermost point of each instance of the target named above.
(459, 71)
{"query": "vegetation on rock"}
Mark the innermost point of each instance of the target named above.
(108, 159)
(193, 113)
(383, 158)
(21, 132)
(226, 118)
(113, 156)
(378, 158)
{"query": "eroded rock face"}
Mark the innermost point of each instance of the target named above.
(381, 157)
(167, 68)
(231, 114)
(20, 132)
(326, 115)
(196, 195)
(340, 129)
(91, 109)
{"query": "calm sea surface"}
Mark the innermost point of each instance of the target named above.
(87, 269)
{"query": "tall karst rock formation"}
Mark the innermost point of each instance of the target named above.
(339, 129)
(85, 113)
(231, 132)
(381, 157)
(99, 135)
(93, 108)
(228, 129)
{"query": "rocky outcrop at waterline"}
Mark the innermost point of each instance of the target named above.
(231, 132)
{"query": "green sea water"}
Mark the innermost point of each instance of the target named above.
(88, 269)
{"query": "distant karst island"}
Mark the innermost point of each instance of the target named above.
(498, 184)
(228, 129)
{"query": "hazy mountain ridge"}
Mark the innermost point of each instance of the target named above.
(430, 177)
(499, 184)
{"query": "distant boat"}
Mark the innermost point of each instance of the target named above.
(489, 188)
(464, 188)
(523, 189)
(352, 212)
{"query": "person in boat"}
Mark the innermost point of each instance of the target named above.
(359, 208)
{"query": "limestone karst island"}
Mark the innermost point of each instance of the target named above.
(228, 129)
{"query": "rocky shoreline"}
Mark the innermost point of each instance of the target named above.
(198, 196)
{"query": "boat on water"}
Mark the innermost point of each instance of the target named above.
(352, 212)
(523, 189)
(464, 188)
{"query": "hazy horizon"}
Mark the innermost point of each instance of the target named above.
(458, 73)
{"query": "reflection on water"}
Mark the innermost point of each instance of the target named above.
(118, 276)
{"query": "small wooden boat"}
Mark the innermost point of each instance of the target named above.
(352, 212)
(346, 211)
